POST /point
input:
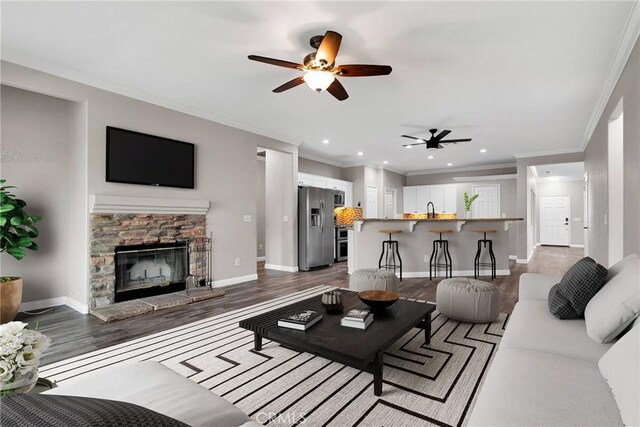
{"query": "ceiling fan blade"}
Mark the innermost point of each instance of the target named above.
(440, 146)
(329, 47)
(443, 134)
(455, 141)
(277, 62)
(359, 70)
(336, 89)
(413, 137)
(289, 85)
(412, 145)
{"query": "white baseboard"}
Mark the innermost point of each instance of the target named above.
(234, 280)
(52, 302)
(281, 268)
(576, 246)
(454, 273)
(513, 257)
(261, 258)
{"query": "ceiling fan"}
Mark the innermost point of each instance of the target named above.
(319, 67)
(435, 141)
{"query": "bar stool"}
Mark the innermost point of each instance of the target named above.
(440, 244)
(483, 243)
(390, 253)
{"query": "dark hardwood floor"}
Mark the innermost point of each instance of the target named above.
(73, 333)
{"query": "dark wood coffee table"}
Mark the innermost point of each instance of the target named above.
(360, 349)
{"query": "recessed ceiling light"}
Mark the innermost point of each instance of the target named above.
(429, 157)
(449, 164)
(360, 153)
(325, 141)
(483, 150)
(409, 147)
(385, 162)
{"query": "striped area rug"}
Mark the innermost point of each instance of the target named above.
(434, 385)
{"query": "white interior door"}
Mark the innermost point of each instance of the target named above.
(554, 220)
(487, 205)
(389, 202)
(585, 213)
(372, 201)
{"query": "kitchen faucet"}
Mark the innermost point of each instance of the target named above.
(431, 214)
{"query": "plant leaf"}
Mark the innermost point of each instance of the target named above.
(35, 218)
(17, 253)
(6, 207)
(3, 221)
(16, 220)
(33, 247)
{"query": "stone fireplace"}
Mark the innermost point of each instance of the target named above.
(150, 269)
(152, 233)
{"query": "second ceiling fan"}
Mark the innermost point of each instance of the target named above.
(435, 141)
(320, 69)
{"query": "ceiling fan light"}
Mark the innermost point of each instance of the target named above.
(318, 80)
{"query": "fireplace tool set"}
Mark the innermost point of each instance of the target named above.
(200, 263)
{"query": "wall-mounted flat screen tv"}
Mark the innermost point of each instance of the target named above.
(138, 158)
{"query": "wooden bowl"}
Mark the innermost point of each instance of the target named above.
(378, 300)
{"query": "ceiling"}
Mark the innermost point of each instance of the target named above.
(560, 172)
(517, 77)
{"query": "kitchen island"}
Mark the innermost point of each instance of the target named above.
(416, 243)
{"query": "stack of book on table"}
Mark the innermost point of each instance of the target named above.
(300, 321)
(359, 319)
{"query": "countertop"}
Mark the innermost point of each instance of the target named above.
(438, 220)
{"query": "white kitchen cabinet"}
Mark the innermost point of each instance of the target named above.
(436, 196)
(320, 181)
(334, 184)
(348, 194)
(450, 199)
(409, 199)
(443, 197)
(305, 179)
(423, 197)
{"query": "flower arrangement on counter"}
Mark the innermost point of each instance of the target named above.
(20, 353)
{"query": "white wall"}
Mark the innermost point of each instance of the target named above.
(38, 135)
(225, 170)
(261, 207)
(281, 211)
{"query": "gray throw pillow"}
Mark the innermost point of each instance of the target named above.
(568, 299)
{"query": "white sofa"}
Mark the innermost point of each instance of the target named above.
(156, 387)
(546, 371)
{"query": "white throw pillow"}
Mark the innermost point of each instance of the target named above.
(620, 366)
(621, 265)
(616, 305)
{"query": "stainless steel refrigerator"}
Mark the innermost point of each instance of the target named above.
(315, 227)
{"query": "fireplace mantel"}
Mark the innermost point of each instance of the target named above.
(103, 203)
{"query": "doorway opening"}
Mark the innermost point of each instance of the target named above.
(261, 206)
(615, 151)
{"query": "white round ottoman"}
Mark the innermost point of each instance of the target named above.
(369, 279)
(468, 300)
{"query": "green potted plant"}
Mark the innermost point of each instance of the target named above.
(17, 231)
(467, 204)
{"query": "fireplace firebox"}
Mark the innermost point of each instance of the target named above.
(150, 269)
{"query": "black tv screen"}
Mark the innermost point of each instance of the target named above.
(138, 158)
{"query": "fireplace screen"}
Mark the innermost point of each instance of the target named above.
(145, 270)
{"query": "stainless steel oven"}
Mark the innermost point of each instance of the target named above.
(342, 247)
(338, 199)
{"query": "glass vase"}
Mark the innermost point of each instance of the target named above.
(23, 384)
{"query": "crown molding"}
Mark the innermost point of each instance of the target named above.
(320, 159)
(549, 152)
(465, 169)
(38, 64)
(485, 177)
(630, 35)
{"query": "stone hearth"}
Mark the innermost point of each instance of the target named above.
(111, 230)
